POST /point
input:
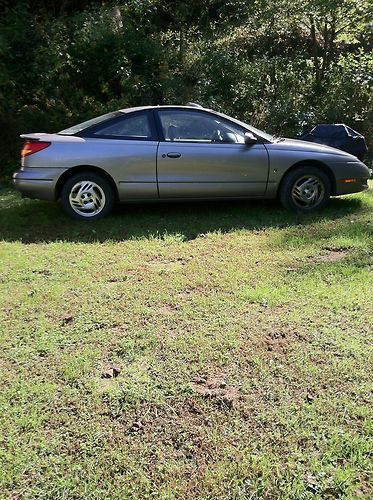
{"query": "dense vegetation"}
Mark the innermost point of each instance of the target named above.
(281, 65)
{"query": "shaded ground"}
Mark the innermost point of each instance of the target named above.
(242, 338)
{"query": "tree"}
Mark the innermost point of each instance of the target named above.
(328, 23)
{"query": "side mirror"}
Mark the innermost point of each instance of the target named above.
(250, 139)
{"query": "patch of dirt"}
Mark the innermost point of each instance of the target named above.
(108, 378)
(165, 266)
(216, 388)
(42, 272)
(277, 338)
(161, 264)
(137, 274)
(67, 319)
(167, 333)
(111, 371)
(331, 255)
(172, 334)
(277, 341)
(168, 309)
(117, 279)
(190, 290)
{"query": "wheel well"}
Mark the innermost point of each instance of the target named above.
(83, 168)
(315, 163)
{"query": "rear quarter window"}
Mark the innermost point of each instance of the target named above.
(75, 129)
(135, 127)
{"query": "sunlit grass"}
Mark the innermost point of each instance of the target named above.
(276, 305)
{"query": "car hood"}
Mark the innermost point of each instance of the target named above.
(305, 146)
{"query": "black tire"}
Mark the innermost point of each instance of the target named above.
(305, 190)
(93, 195)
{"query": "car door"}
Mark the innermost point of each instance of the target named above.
(202, 155)
(126, 148)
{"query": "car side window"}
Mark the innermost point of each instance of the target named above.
(194, 126)
(135, 126)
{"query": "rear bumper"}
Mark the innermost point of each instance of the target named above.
(37, 182)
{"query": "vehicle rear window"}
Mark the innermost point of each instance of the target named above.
(132, 126)
(75, 129)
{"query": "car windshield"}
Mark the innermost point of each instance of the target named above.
(255, 131)
(89, 123)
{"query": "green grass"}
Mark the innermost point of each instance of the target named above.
(277, 306)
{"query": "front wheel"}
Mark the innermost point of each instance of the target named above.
(305, 189)
(87, 196)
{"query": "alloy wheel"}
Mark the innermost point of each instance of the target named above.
(87, 198)
(308, 191)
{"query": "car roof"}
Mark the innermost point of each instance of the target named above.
(139, 108)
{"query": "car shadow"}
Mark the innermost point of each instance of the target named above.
(33, 221)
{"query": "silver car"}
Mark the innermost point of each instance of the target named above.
(179, 153)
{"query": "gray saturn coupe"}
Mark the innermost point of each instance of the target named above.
(179, 153)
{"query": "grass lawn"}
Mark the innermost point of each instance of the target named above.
(242, 336)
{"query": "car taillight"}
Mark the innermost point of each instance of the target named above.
(31, 147)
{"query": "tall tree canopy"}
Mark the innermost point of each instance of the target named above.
(280, 65)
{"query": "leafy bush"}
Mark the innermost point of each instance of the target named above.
(280, 69)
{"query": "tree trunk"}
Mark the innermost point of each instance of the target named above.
(315, 51)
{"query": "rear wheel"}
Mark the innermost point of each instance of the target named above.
(305, 189)
(87, 196)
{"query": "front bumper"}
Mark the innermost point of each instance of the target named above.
(351, 187)
(37, 182)
(350, 176)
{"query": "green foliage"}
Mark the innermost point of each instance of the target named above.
(279, 66)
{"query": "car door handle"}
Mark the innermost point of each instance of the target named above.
(174, 155)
